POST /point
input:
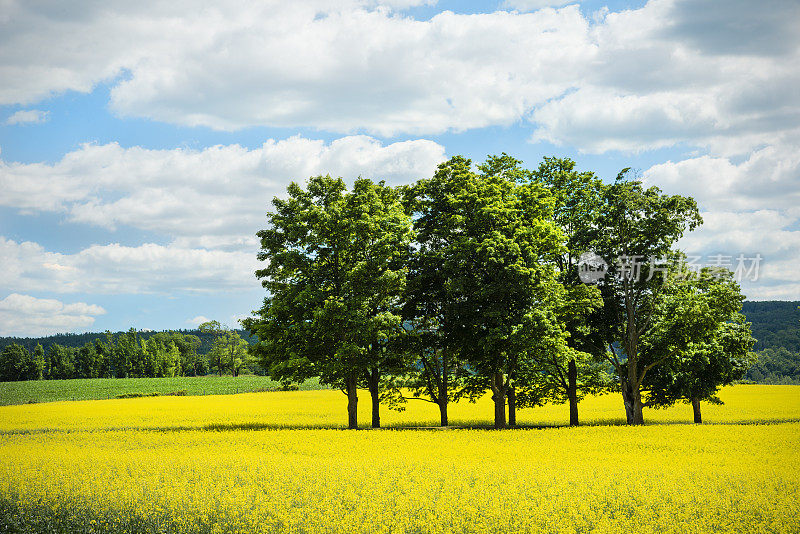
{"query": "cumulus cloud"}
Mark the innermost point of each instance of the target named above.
(337, 66)
(719, 75)
(198, 320)
(766, 241)
(681, 72)
(29, 116)
(24, 315)
(768, 178)
(750, 208)
(533, 5)
(215, 197)
(208, 203)
(725, 27)
(117, 269)
(719, 78)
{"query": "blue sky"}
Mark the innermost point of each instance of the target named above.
(141, 144)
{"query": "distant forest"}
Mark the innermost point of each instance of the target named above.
(79, 340)
(131, 354)
(775, 324)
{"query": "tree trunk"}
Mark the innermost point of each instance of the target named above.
(444, 394)
(443, 411)
(628, 401)
(633, 404)
(499, 398)
(512, 407)
(638, 405)
(572, 392)
(352, 402)
(374, 383)
(696, 408)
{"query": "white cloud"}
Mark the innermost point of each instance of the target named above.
(762, 231)
(30, 116)
(197, 321)
(768, 179)
(336, 66)
(720, 75)
(24, 315)
(117, 269)
(533, 5)
(779, 292)
(717, 77)
(215, 198)
(683, 72)
(750, 208)
(208, 203)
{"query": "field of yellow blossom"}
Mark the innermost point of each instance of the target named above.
(275, 462)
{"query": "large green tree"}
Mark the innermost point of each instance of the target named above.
(436, 371)
(700, 337)
(335, 274)
(495, 240)
(576, 367)
(634, 233)
(556, 368)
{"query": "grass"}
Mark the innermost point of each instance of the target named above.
(34, 391)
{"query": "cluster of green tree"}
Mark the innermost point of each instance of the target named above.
(775, 324)
(775, 366)
(79, 340)
(129, 355)
(469, 282)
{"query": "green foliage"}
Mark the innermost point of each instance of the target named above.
(126, 355)
(229, 352)
(336, 271)
(775, 366)
(636, 226)
(79, 340)
(775, 324)
(581, 345)
(699, 337)
(16, 363)
(485, 261)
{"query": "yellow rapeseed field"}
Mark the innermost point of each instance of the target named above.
(214, 464)
(327, 408)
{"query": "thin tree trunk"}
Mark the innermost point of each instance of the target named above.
(352, 402)
(443, 392)
(696, 408)
(374, 383)
(572, 392)
(499, 398)
(512, 407)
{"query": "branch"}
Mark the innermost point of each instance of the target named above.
(648, 367)
(427, 372)
(615, 362)
(560, 374)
